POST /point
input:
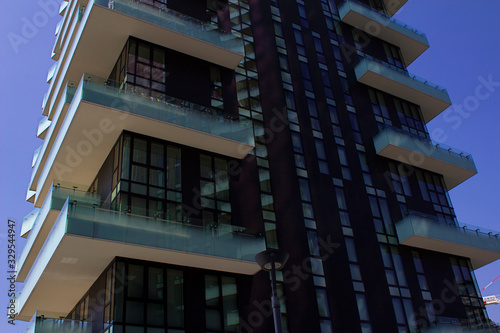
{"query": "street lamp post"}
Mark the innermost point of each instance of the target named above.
(273, 260)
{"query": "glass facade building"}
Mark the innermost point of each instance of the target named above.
(183, 137)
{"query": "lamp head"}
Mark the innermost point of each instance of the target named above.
(265, 259)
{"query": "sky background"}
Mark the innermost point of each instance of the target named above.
(464, 47)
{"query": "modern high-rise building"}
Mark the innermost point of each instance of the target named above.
(183, 137)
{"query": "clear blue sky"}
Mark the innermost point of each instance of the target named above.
(463, 35)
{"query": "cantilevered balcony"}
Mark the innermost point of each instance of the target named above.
(43, 220)
(172, 29)
(39, 324)
(50, 73)
(30, 196)
(411, 41)
(62, 8)
(456, 167)
(28, 222)
(432, 99)
(49, 136)
(43, 126)
(426, 232)
(99, 113)
(95, 38)
(85, 239)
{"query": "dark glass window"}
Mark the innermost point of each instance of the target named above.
(214, 186)
(469, 291)
(411, 118)
(221, 304)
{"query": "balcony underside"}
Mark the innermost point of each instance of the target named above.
(427, 234)
(98, 115)
(84, 240)
(411, 43)
(407, 149)
(432, 101)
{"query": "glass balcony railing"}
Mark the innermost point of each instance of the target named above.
(167, 109)
(482, 246)
(107, 234)
(226, 241)
(70, 92)
(81, 12)
(177, 22)
(61, 191)
(455, 325)
(40, 324)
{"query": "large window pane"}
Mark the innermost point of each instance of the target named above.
(157, 155)
(136, 281)
(144, 53)
(206, 170)
(312, 239)
(156, 314)
(398, 311)
(322, 300)
(265, 182)
(157, 178)
(213, 319)
(175, 297)
(351, 250)
(159, 58)
(140, 150)
(126, 157)
(155, 283)
(135, 313)
(139, 174)
(304, 189)
(362, 307)
(230, 306)
(173, 168)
